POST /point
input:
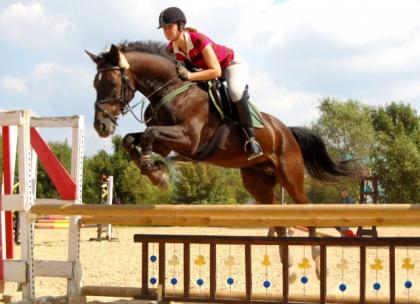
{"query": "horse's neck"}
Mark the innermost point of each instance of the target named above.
(154, 77)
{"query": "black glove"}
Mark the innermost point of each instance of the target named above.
(182, 71)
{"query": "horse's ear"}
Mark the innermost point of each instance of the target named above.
(114, 52)
(119, 57)
(94, 57)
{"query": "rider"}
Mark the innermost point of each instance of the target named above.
(214, 60)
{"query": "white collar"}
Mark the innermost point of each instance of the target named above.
(189, 44)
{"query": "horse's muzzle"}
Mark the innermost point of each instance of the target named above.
(104, 127)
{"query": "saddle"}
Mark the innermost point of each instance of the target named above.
(223, 105)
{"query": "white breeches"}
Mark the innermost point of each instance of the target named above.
(236, 76)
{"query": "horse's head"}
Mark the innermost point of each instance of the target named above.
(114, 89)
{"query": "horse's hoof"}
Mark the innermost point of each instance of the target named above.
(317, 262)
(164, 182)
(271, 232)
(146, 167)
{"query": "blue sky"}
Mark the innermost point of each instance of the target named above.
(299, 51)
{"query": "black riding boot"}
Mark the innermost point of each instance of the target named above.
(252, 147)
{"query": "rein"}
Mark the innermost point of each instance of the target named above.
(168, 97)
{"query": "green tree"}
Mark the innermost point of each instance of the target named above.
(320, 192)
(94, 167)
(346, 127)
(347, 131)
(137, 188)
(45, 187)
(203, 183)
(397, 155)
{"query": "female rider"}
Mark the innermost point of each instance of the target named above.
(213, 60)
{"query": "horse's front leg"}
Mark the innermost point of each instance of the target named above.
(173, 137)
(131, 143)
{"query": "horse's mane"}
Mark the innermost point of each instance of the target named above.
(149, 46)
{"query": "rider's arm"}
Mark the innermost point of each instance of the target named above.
(212, 62)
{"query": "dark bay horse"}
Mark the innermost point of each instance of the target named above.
(181, 119)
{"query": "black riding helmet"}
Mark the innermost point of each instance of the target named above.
(171, 15)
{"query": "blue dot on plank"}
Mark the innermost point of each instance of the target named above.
(342, 287)
(377, 286)
(230, 281)
(174, 281)
(408, 284)
(153, 258)
(153, 281)
(304, 280)
(200, 282)
(266, 284)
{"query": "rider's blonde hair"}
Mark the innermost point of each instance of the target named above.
(190, 29)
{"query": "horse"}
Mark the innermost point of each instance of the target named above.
(180, 118)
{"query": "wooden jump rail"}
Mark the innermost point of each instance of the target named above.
(402, 215)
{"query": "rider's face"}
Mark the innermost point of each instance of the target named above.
(171, 31)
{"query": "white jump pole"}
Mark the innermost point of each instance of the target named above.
(109, 202)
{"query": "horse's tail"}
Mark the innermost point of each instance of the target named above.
(315, 156)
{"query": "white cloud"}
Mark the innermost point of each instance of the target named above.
(352, 22)
(12, 85)
(405, 90)
(31, 27)
(52, 87)
(291, 106)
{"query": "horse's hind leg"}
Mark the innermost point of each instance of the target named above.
(261, 186)
(290, 175)
(282, 232)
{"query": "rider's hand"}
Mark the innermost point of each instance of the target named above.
(182, 71)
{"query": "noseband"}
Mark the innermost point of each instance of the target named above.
(123, 99)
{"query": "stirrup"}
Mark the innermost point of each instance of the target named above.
(255, 150)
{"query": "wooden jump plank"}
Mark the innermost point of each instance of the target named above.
(11, 118)
(56, 122)
(14, 271)
(241, 211)
(289, 241)
(13, 202)
(241, 215)
(58, 269)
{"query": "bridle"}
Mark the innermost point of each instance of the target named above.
(123, 99)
